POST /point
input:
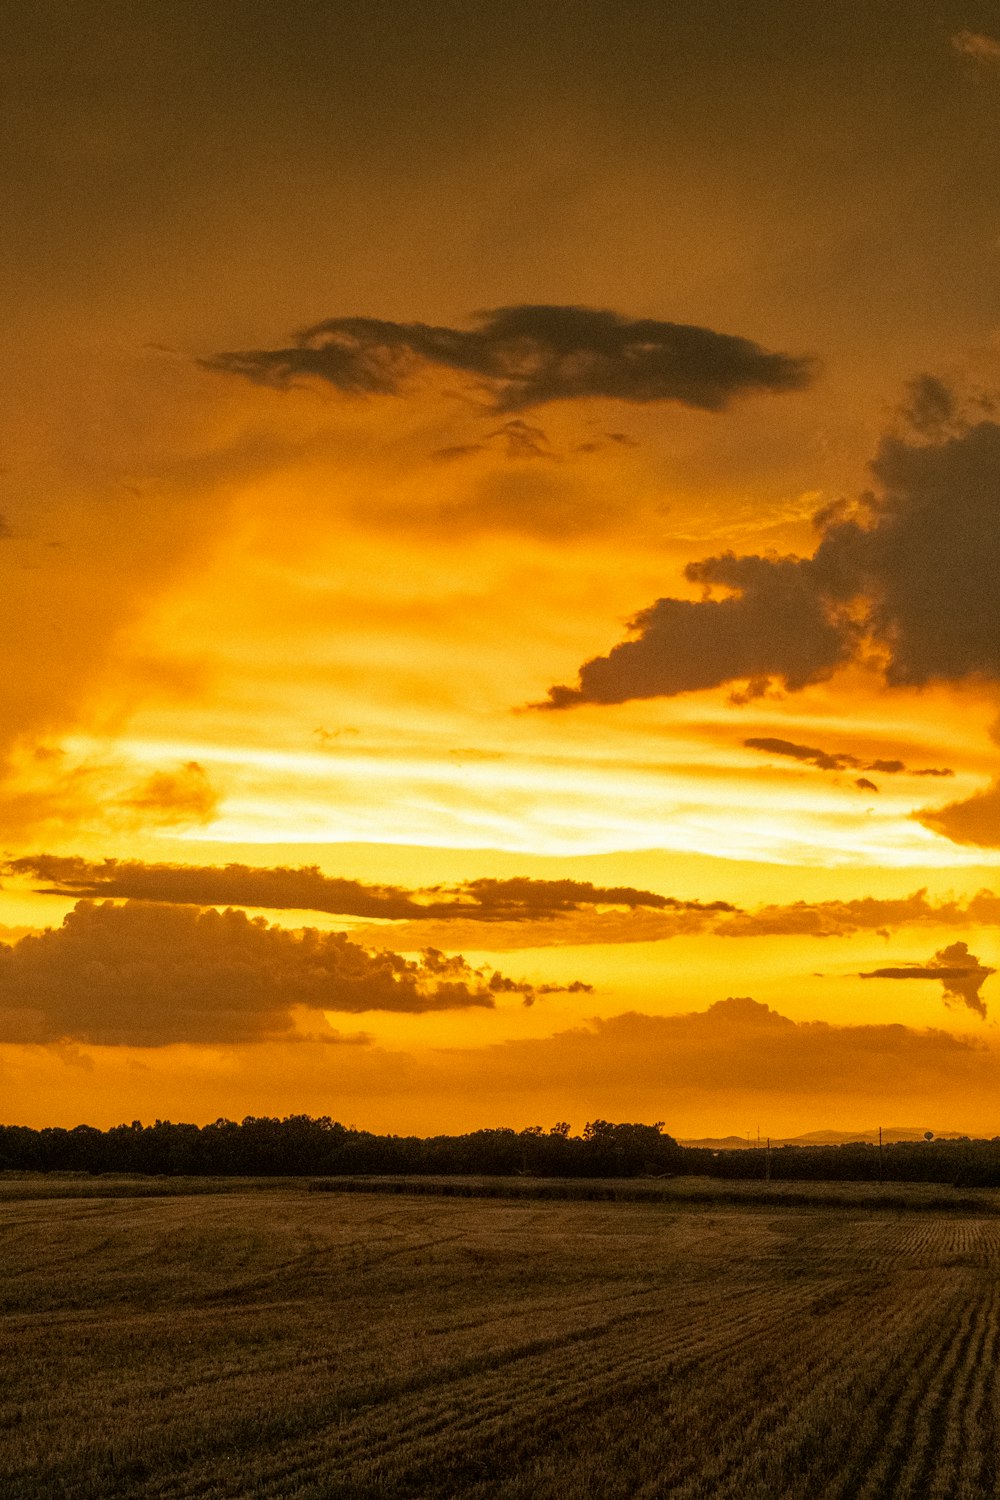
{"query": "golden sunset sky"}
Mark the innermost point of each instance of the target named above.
(501, 563)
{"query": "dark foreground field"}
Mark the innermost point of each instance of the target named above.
(288, 1344)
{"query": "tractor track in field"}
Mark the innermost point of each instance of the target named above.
(419, 1355)
(477, 1404)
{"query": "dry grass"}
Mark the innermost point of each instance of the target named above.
(288, 1344)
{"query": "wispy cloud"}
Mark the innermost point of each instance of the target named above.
(983, 49)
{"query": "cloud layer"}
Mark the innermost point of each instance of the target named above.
(530, 354)
(498, 914)
(594, 925)
(911, 574)
(308, 889)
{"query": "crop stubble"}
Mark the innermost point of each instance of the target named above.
(290, 1346)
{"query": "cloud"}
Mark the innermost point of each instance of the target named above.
(839, 760)
(912, 574)
(808, 753)
(526, 355)
(776, 624)
(961, 973)
(182, 796)
(709, 1072)
(501, 915)
(601, 926)
(862, 914)
(303, 889)
(48, 789)
(522, 897)
(976, 820)
(521, 440)
(737, 1046)
(982, 49)
(930, 407)
(588, 925)
(518, 440)
(147, 975)
(308, 889)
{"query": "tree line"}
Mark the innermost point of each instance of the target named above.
(300, 1145)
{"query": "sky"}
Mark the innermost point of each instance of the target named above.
(501, 573)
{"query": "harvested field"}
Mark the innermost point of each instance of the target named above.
(293, 1344)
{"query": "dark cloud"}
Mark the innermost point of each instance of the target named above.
(776, 624)
(524, 356)
(864, 785)
(521, 440)
(928, 557)
(457, 450)
(304, 889)
(521, 897)
(516, 439)
(308, 889)
(976, 820)
(913, 572)
(961, 973)
(145, 975)
(930, 407)
(808, 753)
(838, 760)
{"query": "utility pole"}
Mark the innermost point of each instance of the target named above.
(767, 1162)
(880, 1153)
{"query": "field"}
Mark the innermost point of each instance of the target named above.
(281, 1343)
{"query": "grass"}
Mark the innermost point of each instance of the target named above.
(288, 1345)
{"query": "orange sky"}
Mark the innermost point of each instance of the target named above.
(540, 469)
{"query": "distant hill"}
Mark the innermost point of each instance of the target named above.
(890, 1133)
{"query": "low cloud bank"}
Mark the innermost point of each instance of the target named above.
(141, 974)
(737, 1045)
